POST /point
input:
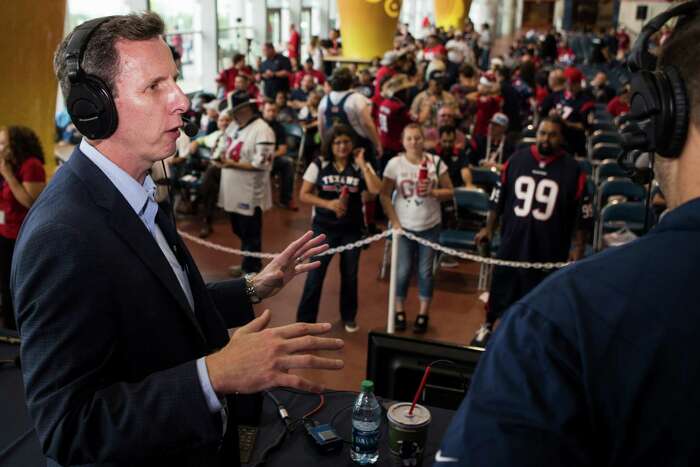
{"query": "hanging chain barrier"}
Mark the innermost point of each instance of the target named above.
(375, 238)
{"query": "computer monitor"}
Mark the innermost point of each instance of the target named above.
(396, 365)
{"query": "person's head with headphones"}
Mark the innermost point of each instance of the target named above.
(119, 80)
(677, 164)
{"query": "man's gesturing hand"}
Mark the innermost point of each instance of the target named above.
(257, 358)
(289, 263)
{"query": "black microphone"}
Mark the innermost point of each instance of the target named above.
(189, 128)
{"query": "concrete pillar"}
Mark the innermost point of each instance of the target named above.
(507, 15)
(451, 13)
(483, 11)
(568, 18)
(137, 5)
(28, 82)
(367, 29)
(209, 45)
(323, 15)
(258, 22)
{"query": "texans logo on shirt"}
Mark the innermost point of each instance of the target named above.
(235, 152)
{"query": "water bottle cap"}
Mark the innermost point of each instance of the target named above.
(367, 386)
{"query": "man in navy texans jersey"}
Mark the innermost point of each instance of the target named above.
(540, 202)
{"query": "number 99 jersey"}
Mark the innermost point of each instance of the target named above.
(540, 200)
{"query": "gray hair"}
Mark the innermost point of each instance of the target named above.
(100, 57)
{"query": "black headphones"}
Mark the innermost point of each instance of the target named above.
(659, 104)
(89, 102)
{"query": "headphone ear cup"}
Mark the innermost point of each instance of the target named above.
(91, 108)
(678, 116)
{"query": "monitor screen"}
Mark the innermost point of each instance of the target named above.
(396, 365)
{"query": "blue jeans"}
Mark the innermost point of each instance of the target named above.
(408, 250)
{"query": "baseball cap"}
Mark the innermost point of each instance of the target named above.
(500, 119)
(389, 58)
(573, 75)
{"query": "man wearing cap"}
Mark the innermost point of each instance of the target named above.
(488, 101)
(494, 148)
(390, 65)
(393, 115)
(245, 177)
(426, 104)
(573, 106)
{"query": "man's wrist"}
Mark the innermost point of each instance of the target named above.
(251, 288)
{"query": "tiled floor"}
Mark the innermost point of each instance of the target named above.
(456, 311)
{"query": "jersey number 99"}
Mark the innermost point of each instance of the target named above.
(530, 191)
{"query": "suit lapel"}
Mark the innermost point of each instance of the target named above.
(126, 223)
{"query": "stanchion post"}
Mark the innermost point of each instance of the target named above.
(392, 281)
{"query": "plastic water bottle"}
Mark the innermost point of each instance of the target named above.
(366, 419)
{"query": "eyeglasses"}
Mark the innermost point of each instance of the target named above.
(339, 142)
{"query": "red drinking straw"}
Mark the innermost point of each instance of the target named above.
(420, 389)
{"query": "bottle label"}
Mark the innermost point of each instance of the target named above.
(365, 442)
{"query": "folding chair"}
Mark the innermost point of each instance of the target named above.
(601, 125)
(621, 215)
(485, 179)
(471, 207)
(602, 151)
(612, 137)
(609, 168)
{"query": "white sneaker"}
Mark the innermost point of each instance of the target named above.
(448, 262)
(482, 336)
(351, 326)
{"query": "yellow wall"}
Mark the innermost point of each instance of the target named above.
(31, 30)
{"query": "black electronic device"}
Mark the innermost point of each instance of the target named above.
(248, 410)
(89, 102)
(323, 437)
(659, 106)
(396, 364)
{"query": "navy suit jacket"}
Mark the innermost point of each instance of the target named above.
(109, 341)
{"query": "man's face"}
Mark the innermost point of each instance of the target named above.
(270, 112)
(548, 138)
(447, 140)
(599, 80)
(497, 130)
(240, 83)
(445, 116)
(149, 101)
(307, 83)
(269, 52)
(281, 100)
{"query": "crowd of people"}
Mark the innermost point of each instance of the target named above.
(446, 105)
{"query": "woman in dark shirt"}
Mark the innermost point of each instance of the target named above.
(23, 178)
(333, 185)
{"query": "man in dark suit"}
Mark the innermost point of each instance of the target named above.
(125, 350)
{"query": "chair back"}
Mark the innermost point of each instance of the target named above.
(484, 178)
(606, 151)
(620, 187)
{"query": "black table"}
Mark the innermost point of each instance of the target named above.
(15, 425)
(25, 451)
(296, 450)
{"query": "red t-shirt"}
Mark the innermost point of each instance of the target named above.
(382, 75)
(616, 107)
(431, 53)
(227, 77)
(293, 48)
(485, 108)
(392, 118)
(32, 170)
(319, 77)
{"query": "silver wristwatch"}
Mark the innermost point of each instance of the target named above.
(250, 290)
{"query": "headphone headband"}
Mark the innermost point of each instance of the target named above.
(640, 57)
(77, 45)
